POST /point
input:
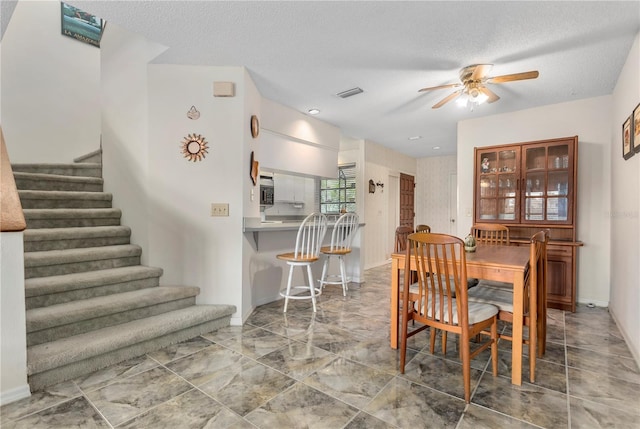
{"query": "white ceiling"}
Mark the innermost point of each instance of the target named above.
(302, 53)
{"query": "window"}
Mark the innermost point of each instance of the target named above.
(339, 194)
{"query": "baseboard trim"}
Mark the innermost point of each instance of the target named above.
(15, 394)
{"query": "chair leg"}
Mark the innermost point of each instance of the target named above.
(325, 267)
(403, 337)
(533, 343)
(312, 289)
(432, 339)
(494, 347)
(444, 343)
(286, 297)
(343, 274)
(466, 365)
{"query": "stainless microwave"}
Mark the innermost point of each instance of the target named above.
(266, 191)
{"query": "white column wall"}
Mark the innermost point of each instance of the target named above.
(13, 330)
(193, 248)
(625, 209)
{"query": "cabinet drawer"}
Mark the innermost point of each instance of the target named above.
(559, 250)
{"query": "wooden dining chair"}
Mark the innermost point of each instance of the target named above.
(423, 228)
(344, 230)
(307, 251)
(491, 233)
(439, 300)
(402, 232)
(535, 293)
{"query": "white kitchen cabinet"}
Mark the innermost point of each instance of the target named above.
(288, 188)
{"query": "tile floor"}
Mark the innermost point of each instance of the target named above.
(336, 370)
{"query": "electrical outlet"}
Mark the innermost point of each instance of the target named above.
(219, 209)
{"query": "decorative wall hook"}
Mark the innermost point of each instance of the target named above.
(372, 186)
(193, 113)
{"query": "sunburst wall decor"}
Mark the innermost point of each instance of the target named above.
(194, 147)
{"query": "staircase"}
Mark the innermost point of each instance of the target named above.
(89, 302)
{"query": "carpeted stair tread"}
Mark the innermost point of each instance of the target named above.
(54, 284)
(71, 213)
(87, 169)
(71, 217)
(76, 311)
(56, 257)
(58, 177)
(63, 352)
(67, 261)
(45, 239)
(41, 199)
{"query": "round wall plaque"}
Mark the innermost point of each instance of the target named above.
(255, 126)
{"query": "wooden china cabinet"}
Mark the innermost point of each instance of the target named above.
(531, 186)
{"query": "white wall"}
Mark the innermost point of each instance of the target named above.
(13, 331)
(590, 119)
(297, 143)
(625, 209)
(382, 165)
(50, 88)
(192, 247)
(432, 192)
(125, 122)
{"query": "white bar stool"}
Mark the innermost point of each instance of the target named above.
(343, 232)
(307, 251)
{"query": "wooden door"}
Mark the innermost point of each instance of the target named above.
(407, 189)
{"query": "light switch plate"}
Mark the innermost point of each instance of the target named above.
(219, 209)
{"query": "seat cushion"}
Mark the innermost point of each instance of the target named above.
(494, 284)
(478, 311)
(500, 297)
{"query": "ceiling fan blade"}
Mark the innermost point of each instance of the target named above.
(450, 85)
(492, 95)
(447, 99)
(511, 77)
(480, 71)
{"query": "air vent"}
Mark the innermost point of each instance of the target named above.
(350, 92)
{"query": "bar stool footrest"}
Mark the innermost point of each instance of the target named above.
(318, 292)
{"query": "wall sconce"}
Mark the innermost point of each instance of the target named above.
(372, 186)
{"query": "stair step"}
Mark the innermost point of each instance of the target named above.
(38, 240)
(44, 291)
(57, 182)
(67, 218)
(64, 199)
(57, 262)
(77, 317)
(89, 169)
(95, 157)
(64, 359)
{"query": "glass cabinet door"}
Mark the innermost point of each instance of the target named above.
(548, 173)
(498, 184)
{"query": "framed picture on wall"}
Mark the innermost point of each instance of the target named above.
(627, 144)
(81, 25)
(635, 124)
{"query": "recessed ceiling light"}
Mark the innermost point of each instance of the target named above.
(313, 111)
(415, 138)
(436, 148)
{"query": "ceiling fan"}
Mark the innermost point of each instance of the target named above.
(473, 80)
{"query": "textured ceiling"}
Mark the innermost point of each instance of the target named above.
(301, 53)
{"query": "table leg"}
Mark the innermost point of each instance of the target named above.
(516, 344)
(395, 273)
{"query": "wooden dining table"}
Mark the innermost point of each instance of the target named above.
(499, 263)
